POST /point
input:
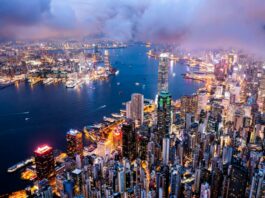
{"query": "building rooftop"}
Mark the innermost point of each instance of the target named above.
(43, 149)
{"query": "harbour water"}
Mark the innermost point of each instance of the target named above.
(31, 116)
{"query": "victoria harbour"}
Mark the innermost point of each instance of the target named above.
(132, 99)
(42, 114)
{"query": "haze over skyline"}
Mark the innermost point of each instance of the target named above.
(193, 24)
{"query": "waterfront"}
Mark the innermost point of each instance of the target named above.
(52, 110)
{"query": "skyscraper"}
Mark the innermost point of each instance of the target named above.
(44, 160)
(163, 115)
(238, 181)
(106, 60)
(74, 140)
(163, 72)
(165, 149)
(189, 104)
(135, 109)
(129, 140)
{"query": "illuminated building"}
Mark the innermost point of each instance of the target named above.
(163, 72)
(238, 182)
(257, 188)
(165, 150)
(216, 183)
(129, 140)
(163, 115)
(205, 191)
(142, 147)
(44, 189)
(202, 101)
(77, 179)
(220, 71)
(135, 108)
(44, 161)
(74, 140)
(121, 179)
(106, 60)
(189, 104)
(175, 184)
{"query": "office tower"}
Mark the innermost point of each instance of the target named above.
(165, 150)
(74, 140)
(121, 179)
(44, 161)
(257, 188)
(129, 140)
(175, 184)
(216, 183)
(44, 189)
(106, 60)
(142, 146)
(220, 71)
(163, 72)
(202, 101)
(128, 110)
(205, 191)
(238, 182)
(189, 104)
(78, 182)
(135, 109)
(163, 115)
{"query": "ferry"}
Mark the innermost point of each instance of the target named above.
(48, 81)
(70, 84)
(123, 111)
(116, 115)
(98, 126)
(111, 120)
(20, 165)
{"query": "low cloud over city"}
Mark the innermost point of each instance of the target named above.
(191, 23)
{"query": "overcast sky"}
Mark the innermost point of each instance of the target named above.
(192, 23)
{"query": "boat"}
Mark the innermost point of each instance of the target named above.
(20, 165)
(174, 74)
(70, 84)
(26, 119)
(111, 120)
(97, 126)
(102, 107)
(137, 84)
(118, 83)
(117, 72)
(48, 81)
(116, 115)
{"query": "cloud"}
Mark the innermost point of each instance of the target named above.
(191, 23)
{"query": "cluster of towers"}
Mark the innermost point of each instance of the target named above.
(205, 145)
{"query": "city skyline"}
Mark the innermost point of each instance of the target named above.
(132, 99)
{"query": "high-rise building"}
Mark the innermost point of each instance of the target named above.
(257, 184)
(238, 182)
(163, 72)
(44, 161)
(106, 60)
(44, 189)
(189, 104)
(129, 140)
(74, 140)
(165, 150)
(163, 115)
(121, 179)
(78, 182)
(135, 108)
